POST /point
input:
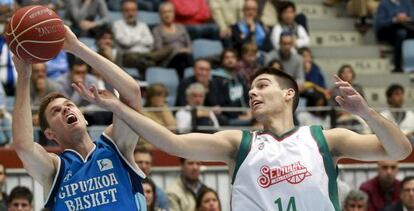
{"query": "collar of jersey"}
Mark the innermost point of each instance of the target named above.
(282, 136)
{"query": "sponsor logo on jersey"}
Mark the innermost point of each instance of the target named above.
(105, 164)
(293, 173)
(68, 176)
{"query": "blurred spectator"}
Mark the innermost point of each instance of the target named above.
(3, 195)
(343, 190)
(156, 97)
(249, 61)
(267, 12)
(314, 79)
(58, 65)
(20, 199)
(356, 200)
(78, 73)
(51, 4)
(291, 61)
(6, 10)
(5, 127)
(40, 85)
(403, 118)
(145, 5)
(346, 73)
(135, 40)
(169, 34)
(143, 158)
(287, 24)
(208, 200)
(193, 115)
(8, 74)
(226, 13)
(182, 194)
(196, 16)
(104, 41)
(362, 10)
(150, 195)
(384, 189)
(394, 24)
(276, 63)
(215, 95)
(315, 117)
(249, 30)
(237, 87)
(82, 16)
(406, 196)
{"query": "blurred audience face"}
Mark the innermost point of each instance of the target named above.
(387, 172)
(288, 16)
(130, 11)
(158, 96)
(286, 44)
(202, 70)
(229, 60)
(105, 40)
(38, 71)
(347, 75)
(167, 13)
(276, 65)
(355, 205)
(196, 98)
(20, 204)
(78, 72)
(190, 170)
(250, 10)
(144, 162)
(2, 176)
(149, 193)
(41, 84)
(209, 202)
(407, 194)
(396, 100)
(306, 56)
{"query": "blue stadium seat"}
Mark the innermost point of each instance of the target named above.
(133, 72)
(150, 18)
(166, 76)
(115, 15)
(189, 71)
(408, 55)
(204, 48)
(90, 42)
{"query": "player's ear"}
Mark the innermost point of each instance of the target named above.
(49, 134)
(289, 93)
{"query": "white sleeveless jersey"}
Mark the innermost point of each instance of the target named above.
(294, 172)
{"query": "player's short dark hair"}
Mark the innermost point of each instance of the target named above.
(42, 108)
(20, 192)
(285, 82)
(393, 88)
(406, 180)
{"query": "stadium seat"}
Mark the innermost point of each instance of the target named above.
(166, 76)
(408, 55)
(204, 48)
(189, 71)
(150, 18)
(90, 42)
(115, 16)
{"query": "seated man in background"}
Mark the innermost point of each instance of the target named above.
(406, 196)
(356, 200)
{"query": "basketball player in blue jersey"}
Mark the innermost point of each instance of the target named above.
(87, 175)
(282, 167)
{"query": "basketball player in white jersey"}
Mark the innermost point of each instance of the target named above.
(282, 167)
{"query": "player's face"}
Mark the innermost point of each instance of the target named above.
(20, 205)
(191, 170)
(407, 194)
(209, 202)
(144, 162)
(387, 172)
(64, 117)
(149, 193)
(355, 205)
(266, 96)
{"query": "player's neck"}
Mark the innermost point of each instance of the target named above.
(83, 144)
(279, 124)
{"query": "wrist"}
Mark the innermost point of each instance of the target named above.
(368, 114)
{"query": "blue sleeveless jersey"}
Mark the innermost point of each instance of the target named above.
(103, 181)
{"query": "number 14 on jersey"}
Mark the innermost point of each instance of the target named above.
(291, 206)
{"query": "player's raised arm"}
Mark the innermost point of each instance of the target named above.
(39, 164)
(388, 142)
(221, 146)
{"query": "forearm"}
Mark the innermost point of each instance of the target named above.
(127, 87)
(394, 141)
(22, 127)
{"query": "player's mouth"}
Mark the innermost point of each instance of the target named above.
(256, 104)
(71, 119)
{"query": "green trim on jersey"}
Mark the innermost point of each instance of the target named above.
(244, 150)
(330, 168)
(282, 136)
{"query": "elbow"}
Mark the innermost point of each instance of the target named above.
(407, 151)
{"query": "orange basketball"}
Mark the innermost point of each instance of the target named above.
(35, 34)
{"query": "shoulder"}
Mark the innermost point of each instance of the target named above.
(369, 185)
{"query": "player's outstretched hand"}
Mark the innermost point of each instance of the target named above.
(23, 68)
(102, 98)
(71, 41)
(349, 99)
